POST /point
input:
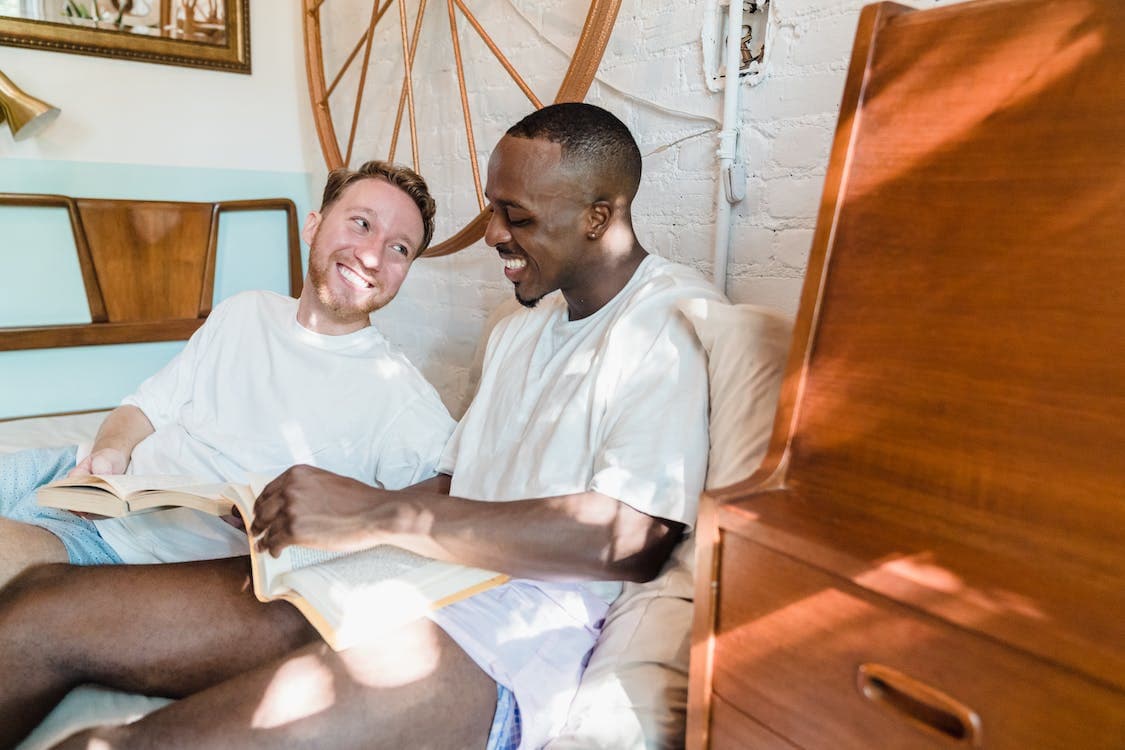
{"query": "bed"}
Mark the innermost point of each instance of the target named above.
(634, 693)
(147, 270)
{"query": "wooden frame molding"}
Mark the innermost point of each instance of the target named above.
(231, 57)
(148, 267)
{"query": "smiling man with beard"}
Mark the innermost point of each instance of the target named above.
(266, 383)
(578, 466)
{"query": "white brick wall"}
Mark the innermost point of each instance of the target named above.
(654, 64)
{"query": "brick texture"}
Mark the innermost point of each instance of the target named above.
(652, 77)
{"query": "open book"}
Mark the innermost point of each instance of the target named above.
(350, 597)
(347, 597)
(120, 494)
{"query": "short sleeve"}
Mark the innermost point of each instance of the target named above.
(413, 444)
(654, 456)
(163, 394)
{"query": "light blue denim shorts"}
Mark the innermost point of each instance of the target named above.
(23, 472)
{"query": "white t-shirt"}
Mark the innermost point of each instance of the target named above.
(615, 403)
(255, 392)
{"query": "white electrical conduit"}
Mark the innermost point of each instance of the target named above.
(728, 187)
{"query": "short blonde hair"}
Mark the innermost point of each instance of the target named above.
(402, 177)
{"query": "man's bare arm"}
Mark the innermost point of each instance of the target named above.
(584, 536)
(119, 434)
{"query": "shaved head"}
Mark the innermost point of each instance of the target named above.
(597, 147)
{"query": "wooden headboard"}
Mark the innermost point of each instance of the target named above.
(148, 267)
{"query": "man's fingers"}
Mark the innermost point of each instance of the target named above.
(81, 468)
(271, 541)
(266, 508)
(271, 531)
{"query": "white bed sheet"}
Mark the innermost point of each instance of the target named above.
(89, 706)
(50, 432)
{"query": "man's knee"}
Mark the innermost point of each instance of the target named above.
(44, 581)
(36, 602)
(24, 544)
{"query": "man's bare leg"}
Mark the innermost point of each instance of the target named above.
(413, 689)
(168, 630)
(23, 545)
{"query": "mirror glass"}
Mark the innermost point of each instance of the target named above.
(201, 33)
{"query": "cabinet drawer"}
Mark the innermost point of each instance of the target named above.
(733, 730)
(791, 642)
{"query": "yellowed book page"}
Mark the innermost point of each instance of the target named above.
(268, 570)
(207, 498)
(348, 597)
(124, 485)
(106, 494)
(99, 500)
(360, 595)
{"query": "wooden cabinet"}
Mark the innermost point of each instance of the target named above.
(933, 553)
(825, 663)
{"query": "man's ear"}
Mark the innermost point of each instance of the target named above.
(312, 221)
(597, 219)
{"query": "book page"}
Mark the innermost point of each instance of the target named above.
(208, 498)
(361, 594)
(124, 485)
(303, 557)
(82, 499)
(113, 494)
(361, 568)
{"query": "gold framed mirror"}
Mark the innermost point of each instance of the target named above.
(195, 33)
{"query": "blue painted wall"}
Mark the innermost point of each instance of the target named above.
(40, 282)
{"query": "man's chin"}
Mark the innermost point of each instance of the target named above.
(528, 303)
(345, 308)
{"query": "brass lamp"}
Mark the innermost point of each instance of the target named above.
(25, 114)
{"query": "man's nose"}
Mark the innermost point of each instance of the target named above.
(370, 254)
(496, 232)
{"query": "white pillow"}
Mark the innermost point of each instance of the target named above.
(634, 691)
(747, 346)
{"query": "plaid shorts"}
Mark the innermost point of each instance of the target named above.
(505, 732)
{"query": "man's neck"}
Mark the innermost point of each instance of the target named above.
(313, 317)
(603, 283)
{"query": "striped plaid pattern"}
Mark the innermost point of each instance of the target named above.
(505, 732)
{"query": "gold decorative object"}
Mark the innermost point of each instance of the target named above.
(194, 33)
(25, 114)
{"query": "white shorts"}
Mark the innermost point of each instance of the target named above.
(534, 638)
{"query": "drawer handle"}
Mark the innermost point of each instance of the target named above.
(920, 703)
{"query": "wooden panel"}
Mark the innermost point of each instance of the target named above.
(790, 640)
(947, 446)
(162, 274)
(46, 337)
(734, 730)
(966, 361)
(1061, 615)
(148, 267)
